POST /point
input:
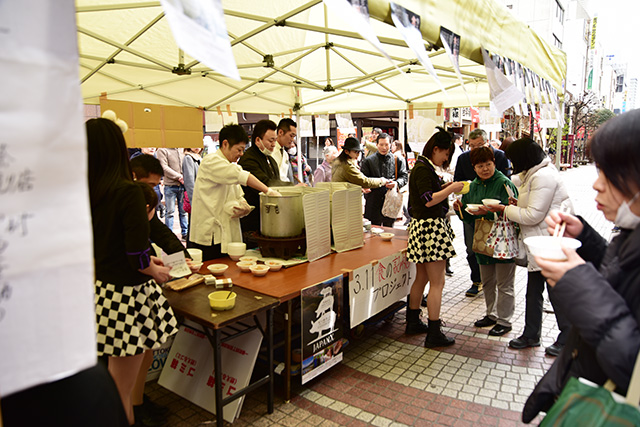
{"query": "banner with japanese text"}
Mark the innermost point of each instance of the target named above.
(374, 287)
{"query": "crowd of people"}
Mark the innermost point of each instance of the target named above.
(592, 292)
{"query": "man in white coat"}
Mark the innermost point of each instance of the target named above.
(218, 198)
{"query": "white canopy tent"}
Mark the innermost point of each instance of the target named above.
(296, 56)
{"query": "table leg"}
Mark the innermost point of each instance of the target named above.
(217, 363)
(287, 351)
(270, 359)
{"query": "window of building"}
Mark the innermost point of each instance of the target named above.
(556, 41)
(559, 11)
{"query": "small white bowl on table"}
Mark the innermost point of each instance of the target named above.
(235, 250)
(259, 269)
(387, 236)
(245, 266)
(217, 269)
(274, 265)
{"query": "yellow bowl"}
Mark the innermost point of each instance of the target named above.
(245, 266)
(217, 269)
(259, 269)
(274, 265)
(222, 300)
(387, 236)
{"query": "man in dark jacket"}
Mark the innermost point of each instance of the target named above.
(382, 164)
(257, 160)
(464, 172)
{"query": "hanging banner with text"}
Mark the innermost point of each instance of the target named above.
(47, 309)
(321, 327)
(374, 287)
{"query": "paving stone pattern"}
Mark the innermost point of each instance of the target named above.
(389, 379)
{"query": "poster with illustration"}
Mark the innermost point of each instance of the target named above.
(321, 327)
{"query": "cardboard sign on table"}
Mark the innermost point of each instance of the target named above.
(188, 370)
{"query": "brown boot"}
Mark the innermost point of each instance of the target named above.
(435, 337)
(414, 324)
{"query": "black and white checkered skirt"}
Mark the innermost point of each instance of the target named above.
(430, 240)
(132, 319)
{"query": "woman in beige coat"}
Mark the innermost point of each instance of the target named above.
(345, 167)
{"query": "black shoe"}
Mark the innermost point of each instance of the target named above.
(423, 303)
(499, 330)
(484, 322)
(553, 350)
(144, 417)
(448, 272)
(414, 324)
(435, 337)
(474, 290)
(524, 342)
(152, 407)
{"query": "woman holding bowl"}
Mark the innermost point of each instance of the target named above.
(430, 236)
(596, 288)
(497, 275)
(541, 191)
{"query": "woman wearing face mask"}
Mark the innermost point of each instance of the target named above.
(597, 286)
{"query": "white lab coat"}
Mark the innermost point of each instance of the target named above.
(217, 185)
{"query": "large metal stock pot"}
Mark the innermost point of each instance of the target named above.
(281, 216)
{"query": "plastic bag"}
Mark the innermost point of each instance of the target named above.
(392, 203)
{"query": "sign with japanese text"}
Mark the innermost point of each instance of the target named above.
(188, 370)
(374, 287)
(47, 309)
(321, 327)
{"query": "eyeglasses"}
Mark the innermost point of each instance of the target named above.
(473, 146)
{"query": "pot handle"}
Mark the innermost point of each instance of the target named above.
(269, 205)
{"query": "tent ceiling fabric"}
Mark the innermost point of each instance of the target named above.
(293, 54)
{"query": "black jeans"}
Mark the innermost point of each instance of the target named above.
(533, 313)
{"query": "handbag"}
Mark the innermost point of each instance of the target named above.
(503, 239)
(521, 260)
(583, 403)
(481, 233)
(186, 204)
(392, 199)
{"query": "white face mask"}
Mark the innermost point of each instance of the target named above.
(293, 150)
(624, 217)
(264, 151)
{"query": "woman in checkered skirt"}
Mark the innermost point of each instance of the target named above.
(133, 317)
(430, 235)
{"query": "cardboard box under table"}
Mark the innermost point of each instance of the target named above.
(286, 284)
(193, 304)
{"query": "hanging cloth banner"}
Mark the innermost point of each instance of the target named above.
(355, 15)
(200, 30)
(408, 23)
(503, 93)
(323, 126)
(305, 126)
(510, 73)
(451, 43)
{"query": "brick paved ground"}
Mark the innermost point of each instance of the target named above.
(390, 379)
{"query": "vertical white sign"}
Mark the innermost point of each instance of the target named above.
(374, 287)
(47, 314)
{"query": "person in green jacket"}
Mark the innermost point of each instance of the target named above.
(497, 274)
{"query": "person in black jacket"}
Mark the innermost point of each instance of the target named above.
(597, 287)
(465, 172)
(382, 164)
(257, 160)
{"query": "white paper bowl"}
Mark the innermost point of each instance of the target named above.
(387, 236)
(259, 269)
(236, 249)
(490, 202)
(273, 265)
(245, 266)
(249, 259)
(235, 257)
(549, 247)
(472, 207)
(217, 269)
